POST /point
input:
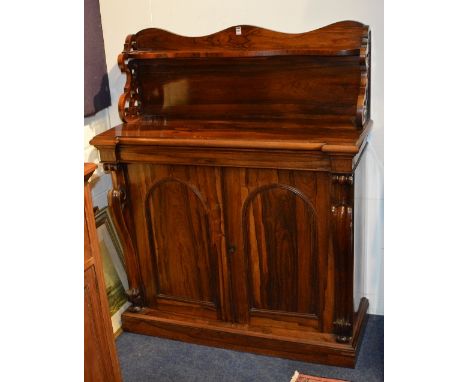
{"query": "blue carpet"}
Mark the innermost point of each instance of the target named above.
(144, 359)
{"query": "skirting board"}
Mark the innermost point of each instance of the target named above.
(319, 349)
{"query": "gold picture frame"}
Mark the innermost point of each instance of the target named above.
(112, 259)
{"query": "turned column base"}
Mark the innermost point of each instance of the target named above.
(343, 330)
(136, 299)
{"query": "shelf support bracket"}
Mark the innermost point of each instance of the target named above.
(117, 198)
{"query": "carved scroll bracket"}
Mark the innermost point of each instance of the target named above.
(363, 103)
(118, 191)
(342, 238)
(129, 101)
(117, 198)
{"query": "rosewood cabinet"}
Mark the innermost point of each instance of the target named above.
(233, 187)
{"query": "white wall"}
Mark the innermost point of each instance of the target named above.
(192, 18)
(368, 228)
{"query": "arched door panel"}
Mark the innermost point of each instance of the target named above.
(179, 220)
(279, 228)
(278, 270)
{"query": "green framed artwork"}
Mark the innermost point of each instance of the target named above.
(112, 260)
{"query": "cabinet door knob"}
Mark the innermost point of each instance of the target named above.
(231, 249)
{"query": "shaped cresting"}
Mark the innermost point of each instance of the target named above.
(150, 92)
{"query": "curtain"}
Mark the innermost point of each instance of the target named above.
(96, 82)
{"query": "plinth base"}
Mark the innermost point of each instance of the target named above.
(309, 347)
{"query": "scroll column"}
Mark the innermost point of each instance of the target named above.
(342, 239)
(117, 200)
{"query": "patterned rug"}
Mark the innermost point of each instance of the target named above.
(298, 377)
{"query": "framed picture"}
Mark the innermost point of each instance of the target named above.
(113, 263)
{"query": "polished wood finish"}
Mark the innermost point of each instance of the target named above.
(178, 223)
(342, 237)
(298, 342)
(253, 134)
(101, 364)
(168, 75)
(117, 200)
(250, 88)
(281, 216)
(340, 39)
(233, 187)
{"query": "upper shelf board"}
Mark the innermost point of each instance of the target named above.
(344, 38)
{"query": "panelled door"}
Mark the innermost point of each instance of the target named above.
(278, 259)
(232, 244)
(178, 220)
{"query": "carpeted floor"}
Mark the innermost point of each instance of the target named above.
(144, 359)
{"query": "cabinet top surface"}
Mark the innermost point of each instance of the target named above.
(237, 134)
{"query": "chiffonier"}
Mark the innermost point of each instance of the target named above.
(233, 187)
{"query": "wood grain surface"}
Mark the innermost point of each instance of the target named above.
(342, 38)
(248, 72)
(100, 355)
(232, 187)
